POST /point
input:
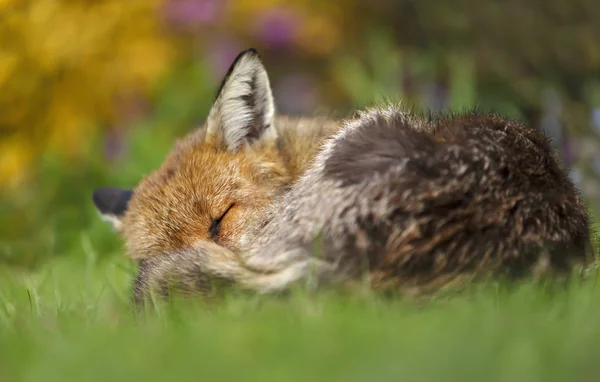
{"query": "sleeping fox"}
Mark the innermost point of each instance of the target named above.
(411, 203)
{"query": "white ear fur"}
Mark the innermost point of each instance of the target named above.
(244, 109)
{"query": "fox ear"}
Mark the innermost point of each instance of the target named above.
(112, 204)
(244, 109)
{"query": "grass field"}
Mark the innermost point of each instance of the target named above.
(65, 310)
(71, 319)
(65, 314)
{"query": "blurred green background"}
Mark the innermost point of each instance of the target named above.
(94, 92)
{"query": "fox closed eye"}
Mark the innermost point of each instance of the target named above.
(216, 223)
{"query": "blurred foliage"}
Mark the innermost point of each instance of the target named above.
(65, 66)
(68, 68)
(519, 47)
(94, 92)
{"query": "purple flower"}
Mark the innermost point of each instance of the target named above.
(296, 94)
(114, 145)
(436, 95)
(595, 117)
(220, 53)
(278, 27)
(193, 13)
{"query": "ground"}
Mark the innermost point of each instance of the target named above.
(72, 319)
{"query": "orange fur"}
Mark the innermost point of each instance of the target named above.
(173, 207)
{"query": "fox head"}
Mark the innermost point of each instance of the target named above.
(215, 181)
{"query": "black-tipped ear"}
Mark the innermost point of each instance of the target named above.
(112, 203)
(244, 110)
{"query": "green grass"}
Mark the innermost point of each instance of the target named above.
(71, 319)
(66, 314)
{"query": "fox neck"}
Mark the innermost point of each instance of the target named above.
(299, 141)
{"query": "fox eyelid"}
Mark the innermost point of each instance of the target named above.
(216, 223)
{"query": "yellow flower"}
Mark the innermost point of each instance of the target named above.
(62, 66)
(15, 154)
(319, 36)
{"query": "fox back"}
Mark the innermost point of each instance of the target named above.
(409, 201)
(416, 204)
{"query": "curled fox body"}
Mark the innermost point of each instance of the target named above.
(411, 202)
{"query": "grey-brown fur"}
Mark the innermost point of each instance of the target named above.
(414, 203)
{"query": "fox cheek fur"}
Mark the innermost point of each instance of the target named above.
(413, 203)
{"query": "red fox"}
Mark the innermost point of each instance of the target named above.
(411, 202)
